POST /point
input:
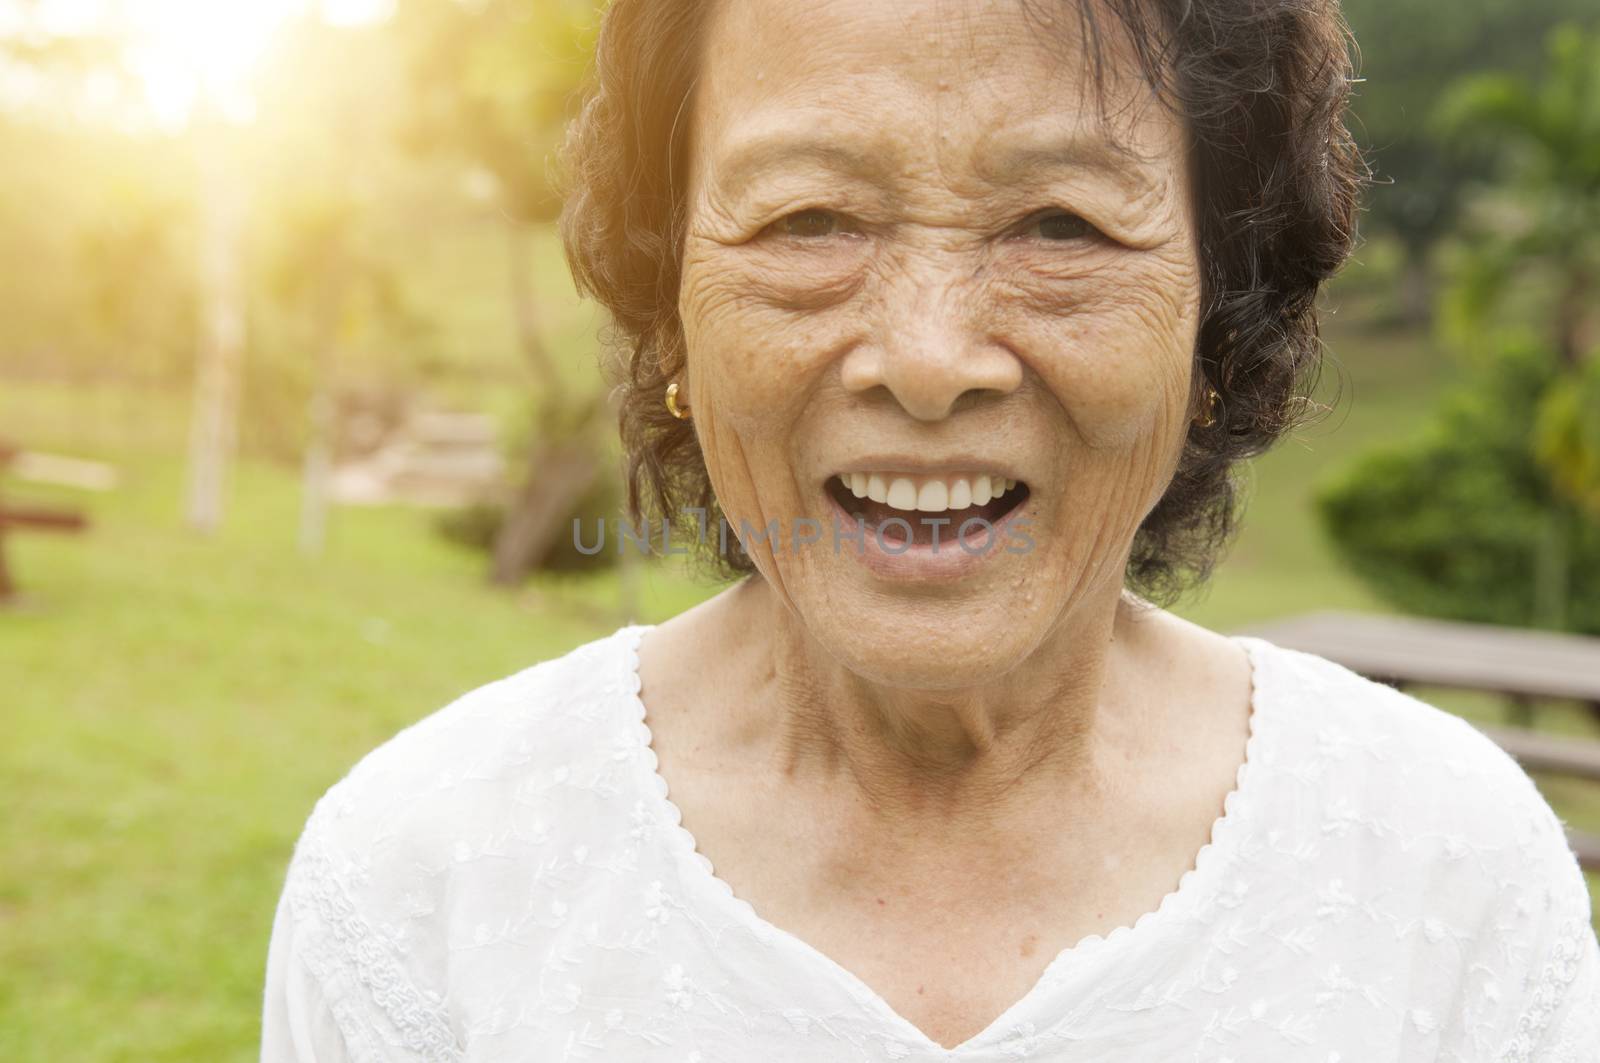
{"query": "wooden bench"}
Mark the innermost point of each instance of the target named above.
(1521, 665)
(13, 517)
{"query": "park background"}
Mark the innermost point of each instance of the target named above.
(281, 284)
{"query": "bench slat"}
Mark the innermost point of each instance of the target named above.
(1447, 653)
(1586, 847)
(1576, 757)
(49, 519)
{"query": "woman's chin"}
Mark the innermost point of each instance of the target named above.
(923, 643)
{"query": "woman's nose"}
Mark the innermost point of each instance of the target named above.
(931, 349)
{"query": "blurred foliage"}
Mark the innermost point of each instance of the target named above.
(1410, 55)
(1534, 263)
(1495, 515)
(397, 195)
(1454, 524)
(133, 264)
(1567, 436)
(495, 82)
(327, 288)
(1538, 225)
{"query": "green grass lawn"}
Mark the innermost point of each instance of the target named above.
(174, 704)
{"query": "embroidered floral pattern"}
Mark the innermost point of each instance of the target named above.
(510, 880)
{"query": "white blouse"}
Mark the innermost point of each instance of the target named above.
(508, 880)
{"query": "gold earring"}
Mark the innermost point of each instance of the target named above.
(1208, 415)
(680, 412)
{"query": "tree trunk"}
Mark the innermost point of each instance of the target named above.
(314, 474)
(1416, 287)
(1552, 572)
(317, 467)
(558, 471)
(8, 589)
(1575, 317)
(213, 429)
(559, 474)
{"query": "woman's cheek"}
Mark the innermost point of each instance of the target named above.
(1116, 351)
(1115, 387)
(755, 360)
(748, 371)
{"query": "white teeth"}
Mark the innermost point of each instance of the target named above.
(936, 494)
(902, 494)
(934, 497)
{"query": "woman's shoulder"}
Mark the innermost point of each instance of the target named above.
(1398, 791)
(534, 720)
(533, 753)
(1386, 755)
(439, 840)
(1415, 826)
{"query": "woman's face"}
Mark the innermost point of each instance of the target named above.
(919, 253)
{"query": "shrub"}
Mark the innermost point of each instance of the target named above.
(1464, 523)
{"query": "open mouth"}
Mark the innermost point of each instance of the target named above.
(926, 509)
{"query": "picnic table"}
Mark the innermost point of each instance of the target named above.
(44, 468)
(1519, 664)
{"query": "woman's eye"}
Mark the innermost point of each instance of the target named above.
(1059, 225)
(811, 224)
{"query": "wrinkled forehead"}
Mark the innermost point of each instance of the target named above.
(985, 87)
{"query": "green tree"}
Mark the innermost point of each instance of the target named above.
(1567, 435)
(494, 83)
(1411, 54)
(1535, 249)
(1458, 524)
(135, 279)
(1541, 218)
(330, 285)
(1496, 515)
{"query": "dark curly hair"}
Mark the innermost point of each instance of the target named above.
(1261, 87)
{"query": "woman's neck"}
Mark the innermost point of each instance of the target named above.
(956, 755)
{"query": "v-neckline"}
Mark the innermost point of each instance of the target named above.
(1199, 880)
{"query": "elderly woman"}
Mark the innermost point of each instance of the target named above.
(958, 314)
